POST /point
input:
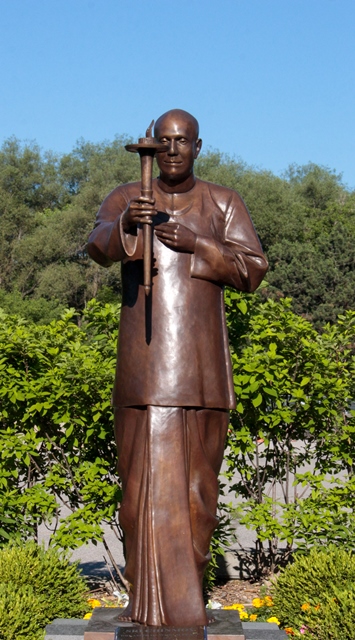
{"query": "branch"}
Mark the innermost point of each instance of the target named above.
(125, 582)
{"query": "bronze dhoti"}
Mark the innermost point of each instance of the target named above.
(169, 460)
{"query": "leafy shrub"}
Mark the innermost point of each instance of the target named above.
(56, 426)
(22, 613)
(36, 586)
(293, 388)
(316, 594)
(334, 618)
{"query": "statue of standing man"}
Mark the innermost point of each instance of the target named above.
(173, 387)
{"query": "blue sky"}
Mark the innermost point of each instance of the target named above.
(271, 81)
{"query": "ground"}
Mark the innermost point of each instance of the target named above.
(226, 593)
(233, 591)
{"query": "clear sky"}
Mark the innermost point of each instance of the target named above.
(271, 81)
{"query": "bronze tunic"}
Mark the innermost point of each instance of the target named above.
(182, 358)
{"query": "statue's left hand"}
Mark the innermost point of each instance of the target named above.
(176, 236)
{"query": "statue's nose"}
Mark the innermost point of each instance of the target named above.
(172, 148)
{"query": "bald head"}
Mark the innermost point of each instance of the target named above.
(177, 129)
(179, 116)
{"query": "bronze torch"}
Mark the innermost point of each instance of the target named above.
(147, 148)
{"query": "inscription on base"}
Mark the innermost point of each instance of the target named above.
(161, 633)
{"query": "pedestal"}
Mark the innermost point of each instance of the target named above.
(105, 625)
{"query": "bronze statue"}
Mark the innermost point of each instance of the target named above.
(173, 388)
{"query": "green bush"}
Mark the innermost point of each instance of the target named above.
(56, 427)
(334, 619)
(36, 586)
(293, 388)
(316, 593)
(22, 613)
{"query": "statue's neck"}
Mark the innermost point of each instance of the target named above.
(177, 187)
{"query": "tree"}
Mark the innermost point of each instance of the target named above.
(56, 426)
(293, 388)
(305, 220)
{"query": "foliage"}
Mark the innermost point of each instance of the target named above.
(316, 594)
(293, 389)
(334, 620)
(305, 219)
(221, 540)
(37, 586)
(47, 210)
(22, 613)
(34, 309)
(56, 432)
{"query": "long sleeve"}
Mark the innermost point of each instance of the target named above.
(108, 242)
(233, 256)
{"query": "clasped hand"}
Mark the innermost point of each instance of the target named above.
(139, 211)
(176, 236)
(173, 234)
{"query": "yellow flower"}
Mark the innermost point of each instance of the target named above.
(306, 606)
(235, 606)
(269, 601)
(253, 617)
(93, 602)
(273, 619)
(258, 602)
(289, 631)
(243, 615)
(87, 616)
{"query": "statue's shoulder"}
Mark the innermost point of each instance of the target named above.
(224, 196)
(129, 188)
(119, 197)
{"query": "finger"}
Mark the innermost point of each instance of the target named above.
(165, 234)
(145, 199)
(171, 241)
(141, 216)
(167, 242)
(141, 206)
(142, 200)
(143, 221)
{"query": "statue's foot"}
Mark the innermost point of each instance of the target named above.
(210, 617)
(126, 615)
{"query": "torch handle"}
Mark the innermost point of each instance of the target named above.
(146, 157)
(147, 258)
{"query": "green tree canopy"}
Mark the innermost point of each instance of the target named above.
(305, 220)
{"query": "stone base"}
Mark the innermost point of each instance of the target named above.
(105, 625)
(66, 629)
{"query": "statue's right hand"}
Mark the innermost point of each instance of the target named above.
(138, 210)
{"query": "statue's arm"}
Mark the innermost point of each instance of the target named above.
(236, 259)
(109, 242)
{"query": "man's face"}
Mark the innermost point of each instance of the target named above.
(177, 163)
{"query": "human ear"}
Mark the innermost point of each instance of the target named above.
(198, 147)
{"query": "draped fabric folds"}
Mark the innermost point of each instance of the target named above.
(168, 459)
